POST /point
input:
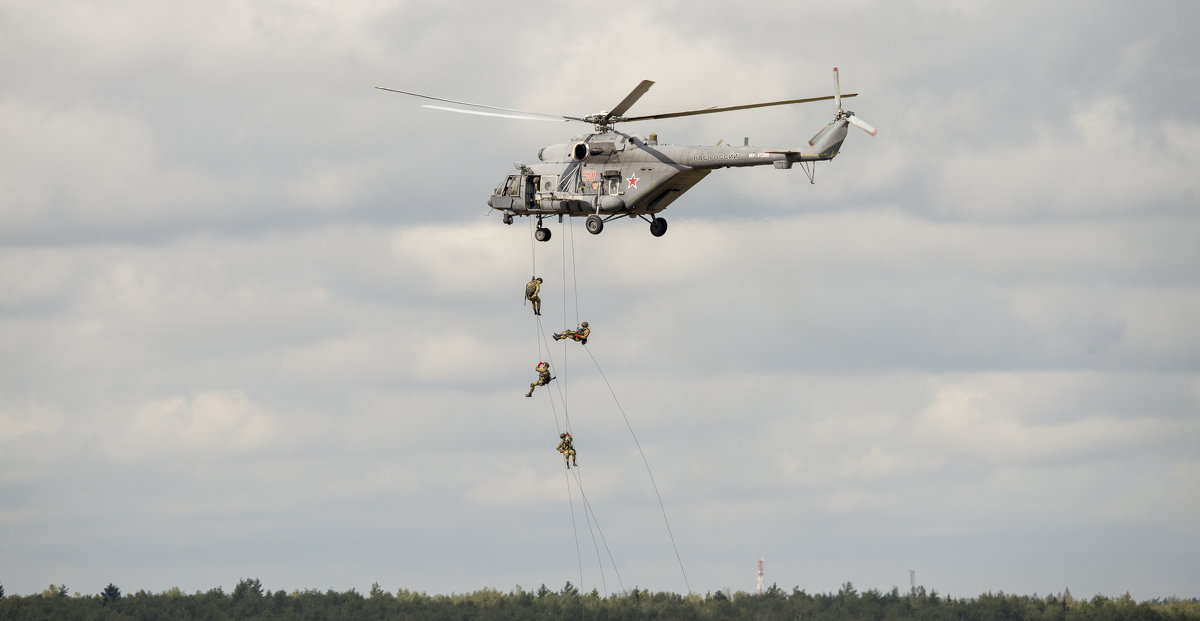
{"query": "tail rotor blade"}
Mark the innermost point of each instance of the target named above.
(861, 124)
(837, 88)
(819, 136)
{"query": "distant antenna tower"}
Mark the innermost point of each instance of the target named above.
(759, 590)
(912, 579)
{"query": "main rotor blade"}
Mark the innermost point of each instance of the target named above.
(671, 115)
(631, 98)
(521, 117)
(467, 103)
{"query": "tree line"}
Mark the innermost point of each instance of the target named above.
(250, 601)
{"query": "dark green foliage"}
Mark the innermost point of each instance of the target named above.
(110, 594)
(250, 601)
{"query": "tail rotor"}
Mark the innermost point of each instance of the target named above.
(840, 115)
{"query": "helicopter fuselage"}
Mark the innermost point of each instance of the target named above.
(612, 174)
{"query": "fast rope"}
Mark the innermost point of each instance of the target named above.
(589, 514)
(543, 346)
(574, 276)
(574, 529)
(588, 506)
(647, 463)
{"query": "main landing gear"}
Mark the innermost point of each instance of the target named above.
(541, 233)
(595, 224)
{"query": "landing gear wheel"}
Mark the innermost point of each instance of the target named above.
(541, 234)
(658, 227)
(594, 224)
(508, 218)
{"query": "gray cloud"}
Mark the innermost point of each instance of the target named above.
(255, 325)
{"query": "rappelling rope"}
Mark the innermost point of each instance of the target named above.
(648, 470)
(567, 233)
(532, 247)
(588, 516)
(574, 277)
(571, 502)
(588, 506)
(563, 387)
(544, 346)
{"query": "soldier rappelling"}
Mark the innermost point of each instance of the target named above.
(532, 288)
(543, 371)
(565, 447)
(579, 334)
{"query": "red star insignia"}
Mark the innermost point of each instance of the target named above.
(632, 181)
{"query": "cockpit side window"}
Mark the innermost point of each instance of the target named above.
(512, 187)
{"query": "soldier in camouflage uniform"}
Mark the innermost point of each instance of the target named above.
(580, 334)
(532, 288)
(543, 371)
(568, 451)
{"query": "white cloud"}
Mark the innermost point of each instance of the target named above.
(17, 422)
(516, 486)
(212, 424)
(1105, 159)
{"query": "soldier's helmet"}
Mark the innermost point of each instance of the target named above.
(562, 435)
(584, 324)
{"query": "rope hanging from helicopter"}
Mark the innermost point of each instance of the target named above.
(628, 425)
(646, 462)
(568, 237)
(589, 514)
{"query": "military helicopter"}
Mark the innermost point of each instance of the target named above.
(608, 174)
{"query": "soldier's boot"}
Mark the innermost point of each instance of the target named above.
(556, 336)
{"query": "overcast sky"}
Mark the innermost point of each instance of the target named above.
(256, 322)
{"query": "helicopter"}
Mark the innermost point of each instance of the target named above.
(608, 174)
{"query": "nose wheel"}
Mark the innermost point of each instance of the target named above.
(658, 227)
